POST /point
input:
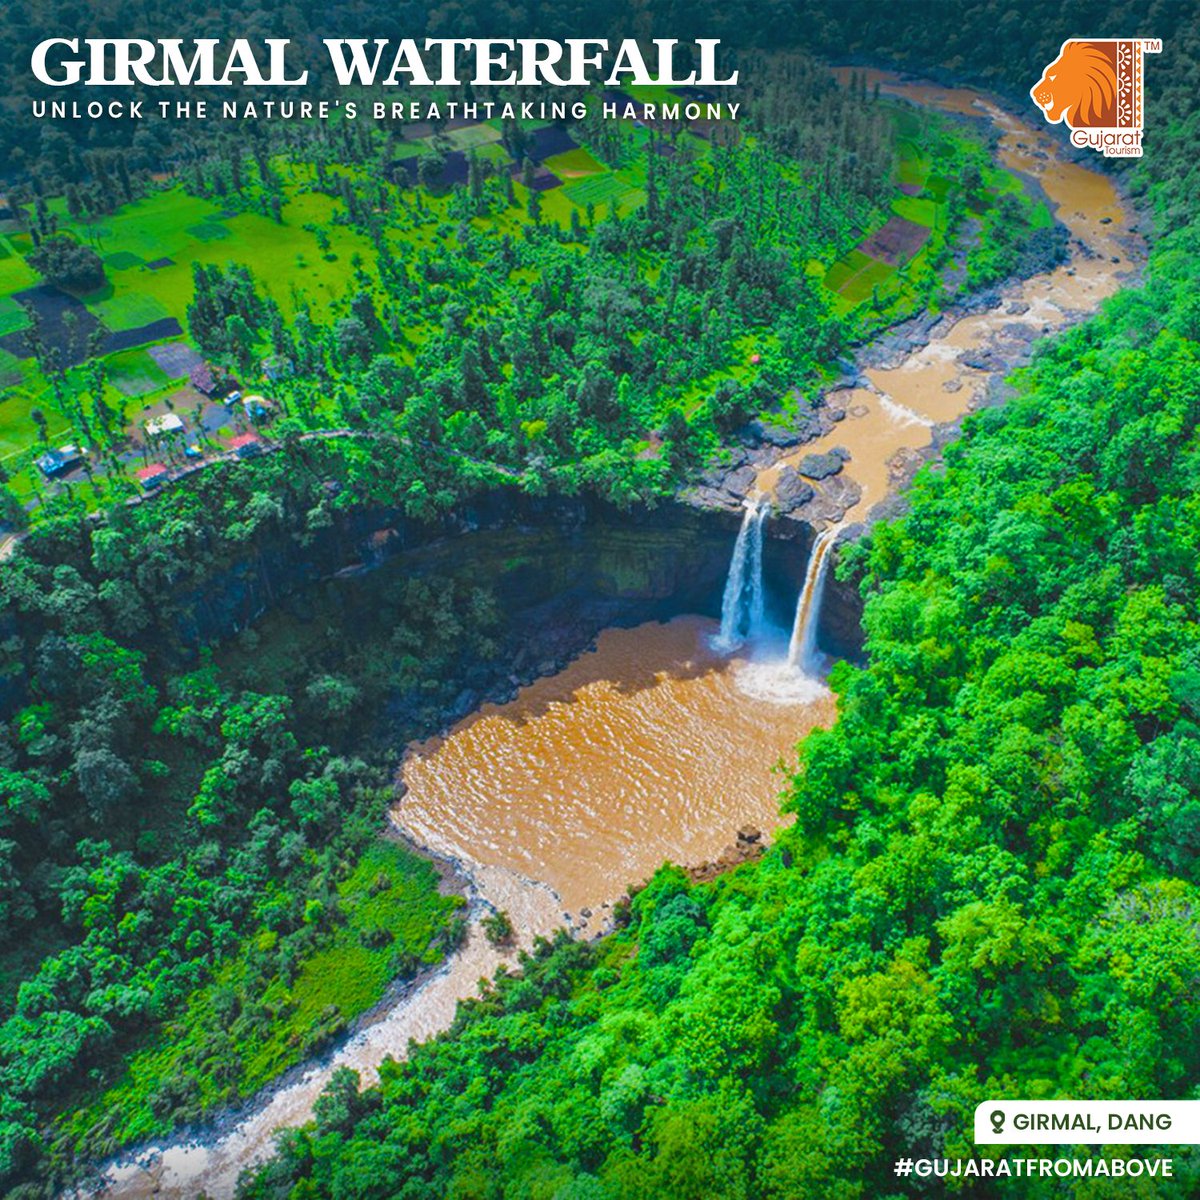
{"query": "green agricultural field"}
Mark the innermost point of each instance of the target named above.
(209, 231)
(172, 224)
(856, 276)
(937, 186)
(13, 316)
(911, 168)
(916, 209)
(574, 163)
(128, 310)
(10, 370)
(493, 152)
(123, 260)
(602, 189)
(15, 273)
(472, 135)
(17, 429)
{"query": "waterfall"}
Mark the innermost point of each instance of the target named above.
(802, 652)
(757, 599)
(745, 575)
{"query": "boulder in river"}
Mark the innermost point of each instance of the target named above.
(822, 466)
(787, 430)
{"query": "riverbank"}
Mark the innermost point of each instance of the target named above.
(913, 387)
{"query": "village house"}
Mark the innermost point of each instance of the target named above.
(205, 381)
(153, 476)
(167, 425)
(58, 462)
(246, 445)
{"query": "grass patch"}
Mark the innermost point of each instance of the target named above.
(494, 152)
(13, 317)
(938, 187)
(472, 136)
(234, 1036)
(1040, 216)
(855, 276)
(16, 274)
(135, 373)
(598, 189)
(911, 170)
(10, 370)
(575, 162)
(916, 209)
(123, 260)
(17, 430)
(209, 231)
(129, 310)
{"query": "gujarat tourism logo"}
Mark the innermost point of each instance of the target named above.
(1095, 85)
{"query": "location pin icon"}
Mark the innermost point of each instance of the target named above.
(998, 1121)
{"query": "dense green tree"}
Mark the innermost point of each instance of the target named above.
(63, 261)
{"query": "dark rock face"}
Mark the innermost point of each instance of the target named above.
(805, 426)
(529, 550)
(785, 559)
(560, 570)
(839, 625)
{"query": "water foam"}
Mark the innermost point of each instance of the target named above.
(777, 682)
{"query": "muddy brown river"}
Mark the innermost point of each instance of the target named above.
(653, 746)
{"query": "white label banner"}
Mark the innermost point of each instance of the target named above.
(1088, 1123)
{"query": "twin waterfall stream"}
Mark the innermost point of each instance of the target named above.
(743, 605)
(663, 740)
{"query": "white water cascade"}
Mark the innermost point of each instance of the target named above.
(802, 651)
(754, 567)
(742, 606)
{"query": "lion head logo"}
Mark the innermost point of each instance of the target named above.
(1080, 85)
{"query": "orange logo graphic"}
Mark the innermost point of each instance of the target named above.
(1095, 86)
